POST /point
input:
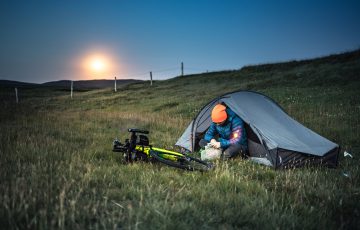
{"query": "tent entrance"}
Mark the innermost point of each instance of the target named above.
(256, 149)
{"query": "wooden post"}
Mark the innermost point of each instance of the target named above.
(115, 85)
(72, 86)
(150, 78)
(182, 68)
(17, 98)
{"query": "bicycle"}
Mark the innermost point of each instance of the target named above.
(138, 148)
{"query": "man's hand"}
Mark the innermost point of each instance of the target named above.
(215, 144)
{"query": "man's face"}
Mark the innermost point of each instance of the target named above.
(221, 123)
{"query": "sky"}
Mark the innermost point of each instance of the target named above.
(46, 40)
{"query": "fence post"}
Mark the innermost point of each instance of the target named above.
(115, 85)
(17, 98)
(150, 78)
(182, 68)
(72, 86)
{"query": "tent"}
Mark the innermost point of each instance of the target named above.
(274, 138)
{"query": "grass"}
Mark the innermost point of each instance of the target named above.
(57, 170)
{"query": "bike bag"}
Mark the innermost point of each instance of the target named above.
(143, 140)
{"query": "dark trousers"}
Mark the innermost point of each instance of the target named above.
(229, 152)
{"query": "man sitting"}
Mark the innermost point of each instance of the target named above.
(230, 131)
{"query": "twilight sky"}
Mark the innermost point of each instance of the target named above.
(48, 40)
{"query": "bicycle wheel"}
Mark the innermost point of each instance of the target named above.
(180, 161)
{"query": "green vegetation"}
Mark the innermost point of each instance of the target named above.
(57, 170)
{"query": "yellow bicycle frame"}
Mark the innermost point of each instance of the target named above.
(166, 154)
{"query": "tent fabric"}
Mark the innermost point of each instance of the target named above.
(274, 131)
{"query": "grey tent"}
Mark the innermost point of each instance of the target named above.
(273, 135)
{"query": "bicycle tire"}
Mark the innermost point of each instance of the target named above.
(182, 162)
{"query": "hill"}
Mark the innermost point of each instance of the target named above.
(57, 169)
(330, 70)
(90, 84)
(8, 83)
(65, 84)
(330, 59)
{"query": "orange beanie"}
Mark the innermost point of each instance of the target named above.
(218, 113)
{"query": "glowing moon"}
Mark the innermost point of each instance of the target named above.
(98, 65)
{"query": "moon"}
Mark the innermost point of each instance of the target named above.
(97, 65)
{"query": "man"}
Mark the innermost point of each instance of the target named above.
(230, 131)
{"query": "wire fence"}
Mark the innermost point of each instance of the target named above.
(165, 73)
(18, 94)
(159, 74)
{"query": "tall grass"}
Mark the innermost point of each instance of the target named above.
(57, 170)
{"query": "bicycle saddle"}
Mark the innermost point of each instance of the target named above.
(132, 130)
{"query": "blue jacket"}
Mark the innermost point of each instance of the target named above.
(231, 132)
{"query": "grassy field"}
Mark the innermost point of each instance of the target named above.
(57, 170)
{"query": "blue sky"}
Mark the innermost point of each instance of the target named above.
(50, 40)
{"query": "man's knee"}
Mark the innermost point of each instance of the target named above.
(232, 151)
(229, 154)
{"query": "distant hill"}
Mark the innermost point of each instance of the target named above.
(333, 70)
(65, 84)
(7, 83)
(330, 59)
(90, 84)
